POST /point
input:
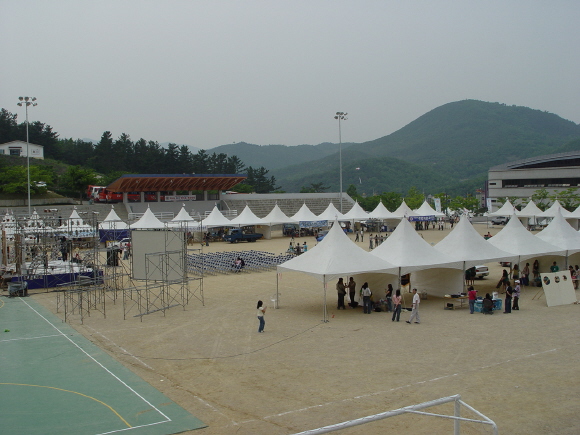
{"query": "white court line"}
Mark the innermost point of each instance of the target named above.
(124, 350)
(31, 338)
(411, 385)
(167, 419)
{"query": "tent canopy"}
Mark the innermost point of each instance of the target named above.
(335, 256)
(406, 249)
(515, 239)
(215, 219)
(561, 234)
(356, 213)
(427, 210)
(505, 210)
(463, 243)
(246, 217)
(330, 214)
(404, 211)
(277, 217)
(381, 212)
(147, 221)
(305, 215)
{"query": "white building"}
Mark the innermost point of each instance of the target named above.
(18, 148)
(522, 178)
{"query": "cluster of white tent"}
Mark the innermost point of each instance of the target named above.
(531, 211)
(275, 217)
(437, 269)
(73, 226)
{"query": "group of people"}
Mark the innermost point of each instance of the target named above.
(297, 248)
(393, 302)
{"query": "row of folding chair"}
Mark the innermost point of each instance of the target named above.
(223, 262)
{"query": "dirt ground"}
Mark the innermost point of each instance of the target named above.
(520, 370)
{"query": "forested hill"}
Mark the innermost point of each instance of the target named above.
(467, 137)
(458, 141)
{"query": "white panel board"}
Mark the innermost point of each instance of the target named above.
(158, 248)
(558, 288)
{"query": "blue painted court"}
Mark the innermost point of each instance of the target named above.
(54, 381)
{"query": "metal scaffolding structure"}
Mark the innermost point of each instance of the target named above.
(87, 273)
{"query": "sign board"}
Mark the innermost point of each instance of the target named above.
(421, 218)
(558, 288)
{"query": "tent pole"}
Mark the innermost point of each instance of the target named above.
(464, 283)
(277, 286)
(324, 313)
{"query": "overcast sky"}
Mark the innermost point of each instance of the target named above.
(208, 73)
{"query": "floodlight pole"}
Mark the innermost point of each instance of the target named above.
(341, 116)
(27, 101)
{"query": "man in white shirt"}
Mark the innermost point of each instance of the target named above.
(415, 312)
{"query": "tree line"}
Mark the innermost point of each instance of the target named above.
(112, 158)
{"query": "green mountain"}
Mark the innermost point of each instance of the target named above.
(467, 137)
(449, 148)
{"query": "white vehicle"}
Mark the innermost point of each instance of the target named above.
(500, 220)
(481, 271)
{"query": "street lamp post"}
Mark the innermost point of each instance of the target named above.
(341, 116)
(27, 101)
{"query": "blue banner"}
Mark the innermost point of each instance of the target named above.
(421, 218)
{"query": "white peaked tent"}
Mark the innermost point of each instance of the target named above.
(404, 211)
(515, 239)
(381, 212)
(330, 214)
(575, 214)
(247, 217)
(278, 217)
(336, 256)
(554, 209)
(427, 210)
(183, 215)
(184, 220)
(113, 221)
(561, 234)
(305, 215)
(75, 227)
(356, 213)
(432, 270)
(147, 222)
(530, 210)
(464, 243)
(505, 210)
(216, 219)
(410, 252)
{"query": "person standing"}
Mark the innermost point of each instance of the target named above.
(472, 296)
(261, 312)
(536, 270)
(516, 295)
(397, 305)
(516, 272)
(415, 312)
(366, 294)
(357, 235)
(554, 268)
(389, 297)
(351, 291)
(526, 275)
(508, 299)
(340, 289)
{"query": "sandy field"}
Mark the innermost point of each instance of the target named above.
(521, 369)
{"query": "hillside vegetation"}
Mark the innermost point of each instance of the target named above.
(448, 149)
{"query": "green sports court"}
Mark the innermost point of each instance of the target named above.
(54, 381)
